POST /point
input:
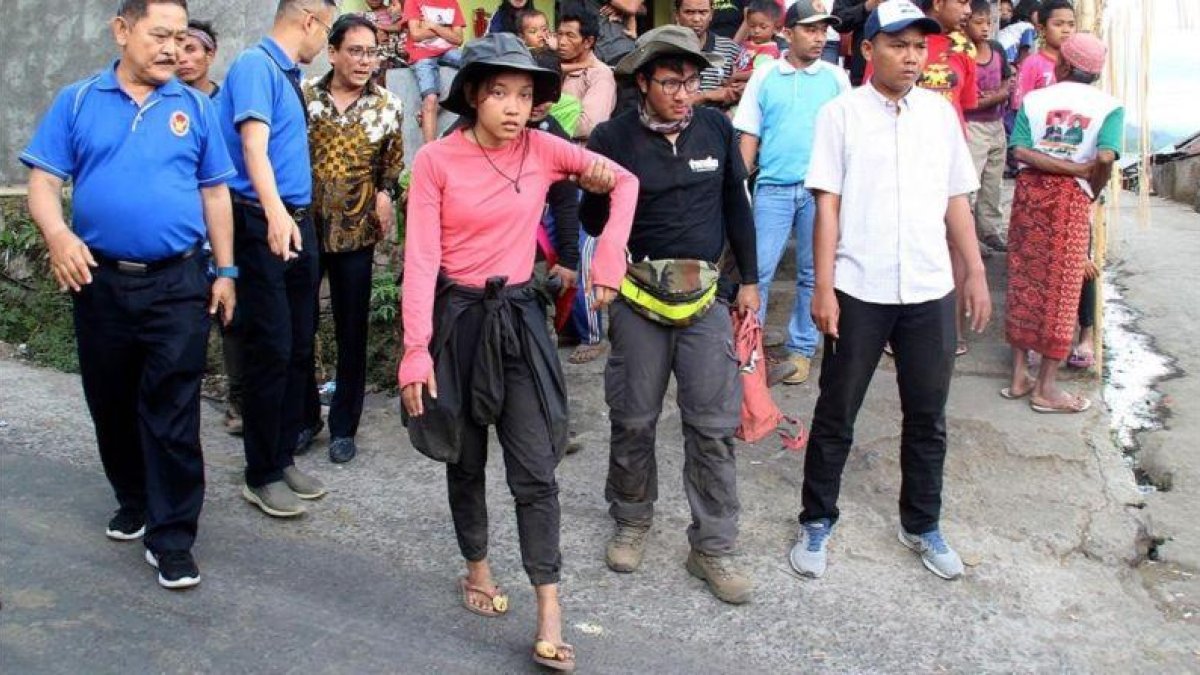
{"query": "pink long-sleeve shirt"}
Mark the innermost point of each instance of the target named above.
(466, 220)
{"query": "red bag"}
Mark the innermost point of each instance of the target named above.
(760, 415)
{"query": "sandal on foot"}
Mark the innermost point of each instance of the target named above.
(556, 657)
(1009, 394)
(1077, 404)
(1081, 361)
(961, 348)
(499, 600)
(587, 353)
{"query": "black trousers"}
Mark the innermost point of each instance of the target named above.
(350, 296)
(923, 339)
(1087, 304)
(142, 342)
(275, 300)
(529, 465)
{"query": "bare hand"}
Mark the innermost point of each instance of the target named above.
(826, 311)
(977, 301)
(385, 212)
(747, 299)
(602, 296)
(283, 234)
(1090, 271)
(599, 178)
(222, 297)
(70, 260)
(568, 277)
(413, 395)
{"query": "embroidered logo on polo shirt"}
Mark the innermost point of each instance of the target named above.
(180, 123)
(706, 165)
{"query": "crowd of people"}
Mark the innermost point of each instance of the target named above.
(608, 169)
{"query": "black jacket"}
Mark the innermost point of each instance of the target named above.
(692, 196)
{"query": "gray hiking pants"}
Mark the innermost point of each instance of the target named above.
(709, 394)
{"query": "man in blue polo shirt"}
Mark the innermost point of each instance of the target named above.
(265, 125)
(776, 118)
(149, 170)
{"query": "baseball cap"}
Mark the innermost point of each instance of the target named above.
(894, 16)
(809, 11)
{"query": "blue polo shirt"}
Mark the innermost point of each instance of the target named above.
(137, 171)
(257, 88)
(779, 105)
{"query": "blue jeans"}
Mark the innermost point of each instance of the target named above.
(780, 210)
(428, 72)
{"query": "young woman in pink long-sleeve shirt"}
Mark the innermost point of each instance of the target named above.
(477, 351)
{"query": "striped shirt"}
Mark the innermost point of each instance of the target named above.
(712, 78)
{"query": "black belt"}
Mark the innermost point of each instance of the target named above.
(296, 212)
(141, 269)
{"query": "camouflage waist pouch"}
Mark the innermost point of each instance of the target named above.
(671, 292)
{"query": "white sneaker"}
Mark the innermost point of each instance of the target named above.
(935, 553)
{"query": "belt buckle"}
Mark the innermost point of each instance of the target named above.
(299, 214)
(128, 267)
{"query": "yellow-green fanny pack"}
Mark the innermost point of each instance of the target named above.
(675, 292)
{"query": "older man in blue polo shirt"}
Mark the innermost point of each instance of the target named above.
(149, 170)
(266, 129)
(776, 118)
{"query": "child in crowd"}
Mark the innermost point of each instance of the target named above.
(763, 20)
(506, 17)
(435, 30)
(1018, 35)
(1055, 22)
(390, 33)
(534, 30)
(986, 137)
(1006, 12)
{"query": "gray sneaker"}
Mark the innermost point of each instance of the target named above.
(935, 553)
(810, 552)
(304, 485)
(275, 499)
(723, 580)
(625, 548)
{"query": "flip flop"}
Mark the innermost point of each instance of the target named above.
(587, 353)
(961, 348)
(499, 600)
(1079, 404)
(1008, 394)
(1081, 361)
(556, 657)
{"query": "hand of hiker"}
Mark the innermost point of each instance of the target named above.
(1090, 271)
(222, 297)
(412, 395)
(283, 234)
(747, 298)
(977, 301)
(826, 311)
(385, 212)
(70, 260)
(599, 178)
(602, 296)
(568, 277)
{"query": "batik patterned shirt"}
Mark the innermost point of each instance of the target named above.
(354, 154)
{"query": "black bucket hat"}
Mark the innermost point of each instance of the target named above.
(499, 51)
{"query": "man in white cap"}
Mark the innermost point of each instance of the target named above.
(892, 175)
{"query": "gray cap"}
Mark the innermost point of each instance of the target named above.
(809, 11)
(669, 40)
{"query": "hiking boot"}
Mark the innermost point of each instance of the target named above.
(275, 499)
(996, 243)
(725, 582)
(341, 450)
(803, 365)
(935, 553)
(625, 548)
(303, 485)
(780, 372)
(126, 525)
(176, 569)
(809, 554)
(305, 439)
(233, 420)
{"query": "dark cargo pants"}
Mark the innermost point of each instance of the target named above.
(709, 394)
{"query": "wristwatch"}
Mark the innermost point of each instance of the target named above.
(230, 272)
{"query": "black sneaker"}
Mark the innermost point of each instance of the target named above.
(342, 450)
(176, 569)
(126, 525)
(305, 440)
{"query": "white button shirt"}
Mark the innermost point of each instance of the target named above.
(895, 166)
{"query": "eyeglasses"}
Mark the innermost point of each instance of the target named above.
(364, 53)
(671, 87)
(327, 27)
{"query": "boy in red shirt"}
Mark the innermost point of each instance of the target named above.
(435, 29)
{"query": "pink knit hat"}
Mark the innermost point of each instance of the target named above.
(1086, 52)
